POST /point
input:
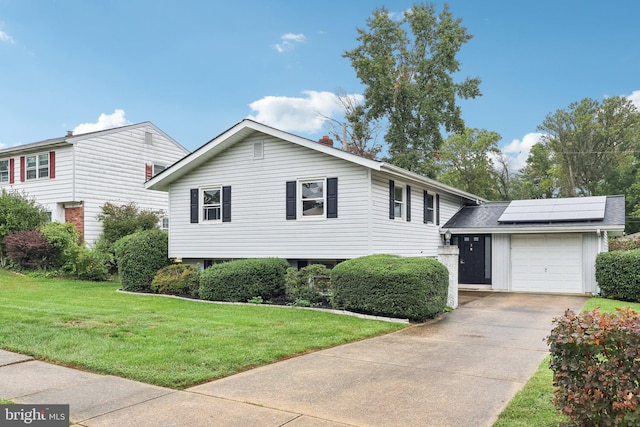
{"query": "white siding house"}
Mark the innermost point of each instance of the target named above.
(73, 176)
(255, 191)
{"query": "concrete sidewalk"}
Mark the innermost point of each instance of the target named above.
(460, 369)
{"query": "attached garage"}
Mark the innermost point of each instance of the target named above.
(546, 263)
(546, 246)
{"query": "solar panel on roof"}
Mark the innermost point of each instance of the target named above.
(555, 210)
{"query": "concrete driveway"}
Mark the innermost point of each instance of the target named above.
(458, 370)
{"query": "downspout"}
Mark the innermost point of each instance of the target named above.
(599, 234)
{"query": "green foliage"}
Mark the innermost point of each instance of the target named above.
(177, 279)
(407, 68)
(624, 244)
(595, 358)
(18, 212)
(28, 249)
(389, 285)
(466, 164)
(255, 300)
(537, 180)
(139, 257)
(242, 280)
(311, 283)
(120, 221)
(63, 238)
(618, 275)
(88, 264)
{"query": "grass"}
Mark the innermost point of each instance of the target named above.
(162, 341)
(533, 405)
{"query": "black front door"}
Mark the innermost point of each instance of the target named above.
(474, 265)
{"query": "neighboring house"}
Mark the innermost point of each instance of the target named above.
(545, 245)
(73, 176)
(255, 191)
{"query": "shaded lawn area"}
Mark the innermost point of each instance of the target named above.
(533, 405)
(162, 341)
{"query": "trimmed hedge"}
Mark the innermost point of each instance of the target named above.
(618, 275)
(139, 256)
(389, 285)
(595, 358)
(242, 280)
(310, 283)
(177, 279)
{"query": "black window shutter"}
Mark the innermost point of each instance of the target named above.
(226, 204)
(425, 210)
(392, 194)
(194, 205)
(437, 209)
(291, 200)
(408, 203)
(332, 197)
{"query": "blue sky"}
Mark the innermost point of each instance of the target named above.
(195, 68)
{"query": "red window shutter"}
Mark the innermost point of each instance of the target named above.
(22, 174)
(148, 172)
(52, 164)
(12, 177)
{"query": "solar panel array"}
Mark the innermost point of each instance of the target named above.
(555, 210)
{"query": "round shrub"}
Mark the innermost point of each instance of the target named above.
(243, 280)
(63, 238)
(88, 264)
(389, 285)
(28, 249)
(618, 275)
(177, 279)
(139, 256)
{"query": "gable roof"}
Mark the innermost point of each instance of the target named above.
(485, 218)
(71, 139)
(248, 127)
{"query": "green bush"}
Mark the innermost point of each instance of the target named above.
(618, 275)
(18, 212)
(63, 238)
(311, 283)
(595, 359)
(624, 244)
(177, 279)
(139, 257)
(243, 280)
(389, 285)
(87, 264)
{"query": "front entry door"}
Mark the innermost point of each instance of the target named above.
(474, 264)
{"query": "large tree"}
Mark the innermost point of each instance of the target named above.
(466, 162)
(589, 141)
(407, 67)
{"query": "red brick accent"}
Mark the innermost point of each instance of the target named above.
(75, 216)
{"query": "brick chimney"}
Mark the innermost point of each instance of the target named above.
(325, 140)
(69, 133)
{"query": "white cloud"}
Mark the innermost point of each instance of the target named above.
(635, 98)
(4, 37)
(289, 41)
(306, 114)
(519, 150)
(105, 121)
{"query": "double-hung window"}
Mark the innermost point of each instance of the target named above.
(398, 202)
(37, 166)
(4, 170)
(212, 204)
(312, 198)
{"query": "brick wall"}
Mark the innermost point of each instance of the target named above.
(75, 216)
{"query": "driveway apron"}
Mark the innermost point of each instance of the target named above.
(458, 370)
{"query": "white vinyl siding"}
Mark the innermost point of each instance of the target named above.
(259, 227)
(547, 263)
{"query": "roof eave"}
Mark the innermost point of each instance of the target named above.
(548, 228)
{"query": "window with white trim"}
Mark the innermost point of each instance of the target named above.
(399, 202)
(4, 170)
(312, 198)
(165, 224)
(37, 166)
(211, 204)
(158, 168)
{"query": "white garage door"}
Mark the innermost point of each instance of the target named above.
(546, 263)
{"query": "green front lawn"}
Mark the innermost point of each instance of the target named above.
(163, 341)
(533, 405)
